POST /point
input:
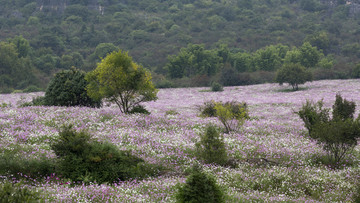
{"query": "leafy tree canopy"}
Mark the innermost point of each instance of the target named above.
(118, 79)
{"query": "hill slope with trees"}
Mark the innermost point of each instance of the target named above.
(52, 35)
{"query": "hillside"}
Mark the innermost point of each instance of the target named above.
(66, 33)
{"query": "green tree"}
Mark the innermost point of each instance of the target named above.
(118, 79)
(67, 88)
(268, 58)
(310, 56)
(294, 74)
(193, 60)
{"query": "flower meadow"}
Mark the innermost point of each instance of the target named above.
(275, 159)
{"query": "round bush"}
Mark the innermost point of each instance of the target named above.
(216, 87)
(67, 88)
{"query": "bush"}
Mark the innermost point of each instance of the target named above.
(67, 88)
(231, 114)
(200, 187)
(216, 87)
(208, 109)
(139, 109)
(10, 192)
(313, 114)
(338, 135)
(86, 160)
(211, 147)
(32, 88)
(12, 163)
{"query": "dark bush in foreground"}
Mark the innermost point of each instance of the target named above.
(10, 192)
(67, 88)
(86, 160)
(200, 187)
(338, 136)
(15, 165)
(211, 147)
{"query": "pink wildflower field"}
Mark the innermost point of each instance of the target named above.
(273, 132)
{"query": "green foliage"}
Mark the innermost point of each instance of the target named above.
(208, 109)
(32, 88)
(211, 147)
(313, 114)
(200, 187)
(81, 158)
(294, 74)
(338, 135)
(343, 109)
(17, 192)
(216, 87)
(231, 114)
(118, 79)
(15, 71)
(12, 163)
(139, 109)
(193, 60)
(67, 88)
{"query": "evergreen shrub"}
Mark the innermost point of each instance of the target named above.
(80, 158)
(211, 147)
(199, 187)
(68, 88)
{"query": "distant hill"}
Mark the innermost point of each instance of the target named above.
(63, 33)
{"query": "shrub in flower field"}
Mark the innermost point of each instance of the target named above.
(200, 187)
(211, 147)
(67, 88)
(10, 192)
(216, 87)
(83, 159)
(231, 114)
(338, 135)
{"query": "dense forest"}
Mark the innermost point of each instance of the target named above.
(182, 42)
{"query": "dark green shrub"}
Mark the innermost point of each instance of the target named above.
(208, 109)
(216, 87)
(13, 164)
(313, 114)
(139, 109)
(211, 147)
(82, 159)
(200, 187)
(10, 192)
(68, 88)
(343, 109)
(32, 88)
(338, 135)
